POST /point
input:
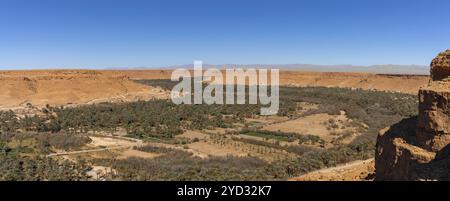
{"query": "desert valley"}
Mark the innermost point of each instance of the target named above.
(121, 125)
(224, 100)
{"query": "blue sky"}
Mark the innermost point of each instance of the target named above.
(132, 33)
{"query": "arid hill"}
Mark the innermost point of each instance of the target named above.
(398, 83)
(418, 148)
(63, 87)
(39, 88)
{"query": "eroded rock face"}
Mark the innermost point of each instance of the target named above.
(419, 148)
(440, 66)
(433, 129)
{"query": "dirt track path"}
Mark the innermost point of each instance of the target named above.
(86, 151)
(355, 170)
(135, 142)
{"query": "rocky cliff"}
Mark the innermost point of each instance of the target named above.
(418, 148)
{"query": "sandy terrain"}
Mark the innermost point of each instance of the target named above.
(223, 145)
(354, 171)
(136, 153)
(110, 142)
(316, 124)
(97, 172)
(215, 150)
(70, 87)
(305, 106)
(104, 144)
(193, 135)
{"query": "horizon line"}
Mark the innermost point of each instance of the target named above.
(3, 68)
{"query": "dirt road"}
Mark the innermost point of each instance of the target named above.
(111, 143)
(353, 171)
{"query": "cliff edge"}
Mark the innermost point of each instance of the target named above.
(418, 148)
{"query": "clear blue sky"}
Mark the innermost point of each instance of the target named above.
(131, 33)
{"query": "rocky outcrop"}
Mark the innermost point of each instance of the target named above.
(418, 148)
(440, 66)
(433, 129)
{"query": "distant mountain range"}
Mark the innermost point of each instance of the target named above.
(379, 69)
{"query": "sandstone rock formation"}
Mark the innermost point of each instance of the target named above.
(440, 66)
(418, 148)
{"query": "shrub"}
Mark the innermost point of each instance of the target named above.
(61, 140)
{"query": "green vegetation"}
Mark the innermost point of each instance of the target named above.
(61, 141)
(181, 166)
(164, 84)
(178, 165)
(376, 109)
(370, 111)
(310, 139)
(24, 161)
(154, 149)
(298, 149)
(24, 141)
(37, 168)
(8, 121)
(154, 118)
(283, 136)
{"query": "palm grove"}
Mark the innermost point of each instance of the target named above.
(66, 127)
